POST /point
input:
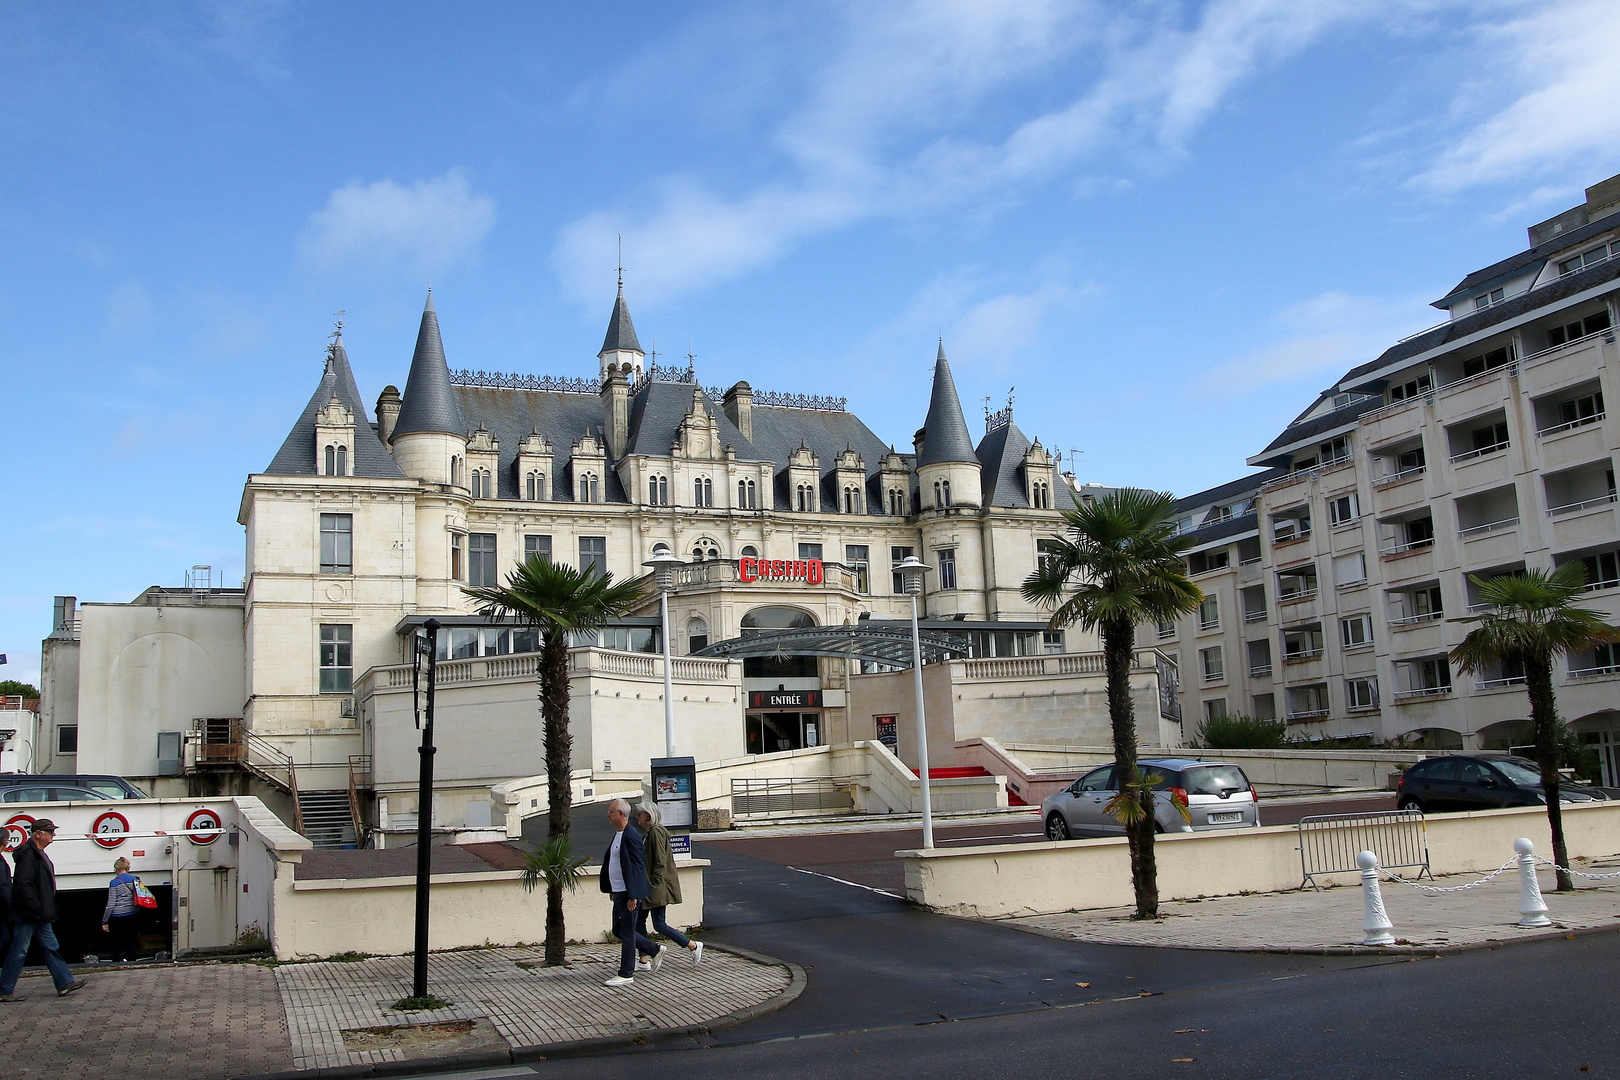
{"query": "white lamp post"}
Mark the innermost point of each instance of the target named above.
(663, 564)
(911, 571)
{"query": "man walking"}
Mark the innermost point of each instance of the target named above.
(624, 875)
(33, 909)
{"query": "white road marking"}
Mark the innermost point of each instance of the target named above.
(853, 884)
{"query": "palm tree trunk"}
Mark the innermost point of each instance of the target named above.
(1119, 647)
(1544, 713)
(552, 673)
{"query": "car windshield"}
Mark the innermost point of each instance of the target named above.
(1214, 780)
(1521, 773)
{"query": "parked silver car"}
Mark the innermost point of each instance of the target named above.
(1218, 796)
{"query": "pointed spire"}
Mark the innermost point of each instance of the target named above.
(621, 332)
(430, 405)
(296, 456)
(945, 432)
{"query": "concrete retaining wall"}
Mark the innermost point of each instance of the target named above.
(1044, 878)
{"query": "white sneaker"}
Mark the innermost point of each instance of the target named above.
(620, 980)
(697, 953)
(657, 960)
(644, 965)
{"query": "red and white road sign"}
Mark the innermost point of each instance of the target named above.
(202, 820)
(109, 829)
(17, 831)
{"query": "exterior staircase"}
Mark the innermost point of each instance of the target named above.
(328, 821)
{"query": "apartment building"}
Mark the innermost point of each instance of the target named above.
(1477, 447)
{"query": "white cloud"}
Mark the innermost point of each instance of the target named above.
(1322, 338)
(426, 227)
(1557, 63)
(911, 117)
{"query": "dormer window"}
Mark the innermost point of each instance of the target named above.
(702, 491)
(589, 488)
(483, 484)
(852, 500)
(1485, 300)
(897, 502)
(658, 490)
(337, 461)
(1409, 389)
(1040, 495)
(804, 498)
(747, 495)
(534, 486)
(1598, 254)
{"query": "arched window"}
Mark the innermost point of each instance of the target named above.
(483, 485)
(658, 490)
(937, 497)
(337, 461)
(747, 495)
(697, 634)
(589, 488)
(749, 551)
(702, 491)
(1041, 498)
(897, 502)
(705, 549)
(455, 472)
(534, 486)
(946, 486)
(852, 500)
(806, 498)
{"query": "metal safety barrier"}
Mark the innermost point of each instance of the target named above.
(764, 795)
(1330, 843)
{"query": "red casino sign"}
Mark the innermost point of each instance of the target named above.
(750, 569)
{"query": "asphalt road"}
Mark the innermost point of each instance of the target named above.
(867, 858)
(895, 992)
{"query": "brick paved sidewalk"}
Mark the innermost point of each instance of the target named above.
(1330, 920)
(222, 1020)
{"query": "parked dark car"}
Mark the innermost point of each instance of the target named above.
(43, 793)
(1218, 796)
(111, 787)
(1461, 782)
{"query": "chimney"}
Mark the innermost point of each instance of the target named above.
(616, 410)
(739, 409)
(387, 412)
(917, 442)
(65, 613)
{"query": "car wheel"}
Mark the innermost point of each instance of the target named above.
(1157, 828)
(1057, 828)
(1411, 804)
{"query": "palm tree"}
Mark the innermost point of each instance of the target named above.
(556, 599)
(1121, 565)
(1532, 618)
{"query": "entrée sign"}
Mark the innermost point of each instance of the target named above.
(805, 570)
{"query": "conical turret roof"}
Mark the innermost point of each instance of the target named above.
(945, 433)
(621, 332)
(429, 403)
(297, 455)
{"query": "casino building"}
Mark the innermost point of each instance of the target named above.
(788, 511)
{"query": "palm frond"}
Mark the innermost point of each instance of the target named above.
(555, 597)
(1532, 614)
(555, 862)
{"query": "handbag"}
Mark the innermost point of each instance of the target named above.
(143, 896)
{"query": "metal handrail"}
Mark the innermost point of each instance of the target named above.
(1481, 452)
(1492, 684)
(1542, 433)
(1259, 671)
(1422, 691)
(1411, 545)
(1585, 504)
(359, 777)
(1593, 672)
(1289, 598)
(752, 795)
(1489, 527)
(1396, 477)
(1413, 620)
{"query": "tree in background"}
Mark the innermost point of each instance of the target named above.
(555, 599)
(13, 688)
(1120, 565)
(1532, 619)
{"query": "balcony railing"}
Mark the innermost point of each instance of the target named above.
(1509, 368)
(1302, 654)
(1215, 676)
(1607, 334)
(1594, 672)
(1391, 479)
(1458, 459)
(1421, 692)
(1296, 597)
(1577, 507)
(1410, 545)
(1494, 684)
(1542, 433)
(1255, 616)
(1212, 624)
(1259, 671)
(1296, 716)
(1413, 620)
(1488, 527)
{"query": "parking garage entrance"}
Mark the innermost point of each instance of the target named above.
(783, 720)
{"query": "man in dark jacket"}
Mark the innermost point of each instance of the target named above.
(5, 908)
(33, 909)
(624, 876)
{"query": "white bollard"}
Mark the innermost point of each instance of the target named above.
(1532, 908)
(1374, 922)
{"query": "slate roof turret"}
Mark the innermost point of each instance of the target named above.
(945, 433)
(621, 332)
(297, 455)
(429, 404)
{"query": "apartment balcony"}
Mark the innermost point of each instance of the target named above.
(1566, 445)
(1256, 616)
(1421, 694)
(1584, 525)
(1503, 683)
(1263, 671)
(1413, 562)
(1392, 421)
(1479, 469)
(1563, 365)
(1410, 622)
(1304, 716)
(1475, 394)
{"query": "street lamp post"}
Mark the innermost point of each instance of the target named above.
(663, 564)
(911, 571)
(424, 807)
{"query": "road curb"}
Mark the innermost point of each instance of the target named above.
(523, 1055)
(1331, 950)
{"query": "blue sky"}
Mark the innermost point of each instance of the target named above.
(1166, 224)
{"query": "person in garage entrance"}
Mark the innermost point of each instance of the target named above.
(624, 876)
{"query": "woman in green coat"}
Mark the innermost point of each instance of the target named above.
(664, 880)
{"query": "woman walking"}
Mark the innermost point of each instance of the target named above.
(663, 880)
(118, 919)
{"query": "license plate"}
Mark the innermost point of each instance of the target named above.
(1222, 819)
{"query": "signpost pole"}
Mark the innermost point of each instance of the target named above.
(424, 814)
(911, 577)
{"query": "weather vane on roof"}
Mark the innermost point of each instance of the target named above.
(621, 262)
(337, 334)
